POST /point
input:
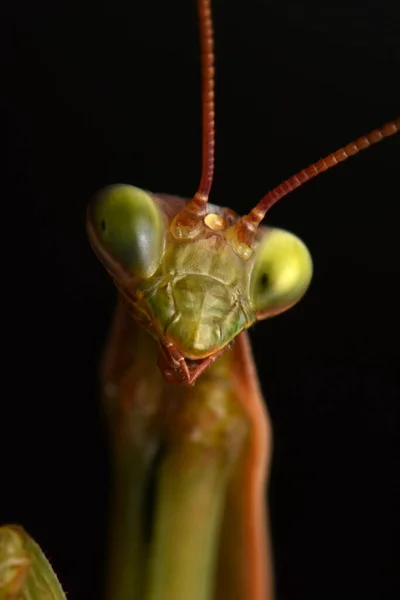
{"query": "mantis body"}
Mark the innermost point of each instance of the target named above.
(192, 278)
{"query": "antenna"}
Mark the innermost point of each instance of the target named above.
(207, 78)
(188, 221)
(247, 225)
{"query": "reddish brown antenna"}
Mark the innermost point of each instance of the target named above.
(207, 79)
(247, 226)
(188, 220)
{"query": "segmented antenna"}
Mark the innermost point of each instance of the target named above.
(195, 210)
(207, 78)
(247, 226)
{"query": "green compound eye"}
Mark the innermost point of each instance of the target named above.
(126, 229)
(281, 274)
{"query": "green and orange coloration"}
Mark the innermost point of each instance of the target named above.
(195, 294)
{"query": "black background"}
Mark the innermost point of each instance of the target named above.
(97, 93)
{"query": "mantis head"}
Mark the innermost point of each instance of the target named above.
(194, 274)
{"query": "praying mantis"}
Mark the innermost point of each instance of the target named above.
(254, 577)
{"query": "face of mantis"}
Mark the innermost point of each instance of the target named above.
(194, 295)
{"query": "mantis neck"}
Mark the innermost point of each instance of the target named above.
(174, 449)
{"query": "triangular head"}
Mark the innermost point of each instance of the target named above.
(194, 294)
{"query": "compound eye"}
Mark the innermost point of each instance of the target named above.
(126, 229)
(281, 274)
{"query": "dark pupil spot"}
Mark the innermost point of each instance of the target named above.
(264, 280)
(103, 225)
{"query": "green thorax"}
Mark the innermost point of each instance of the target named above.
(198, 297)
